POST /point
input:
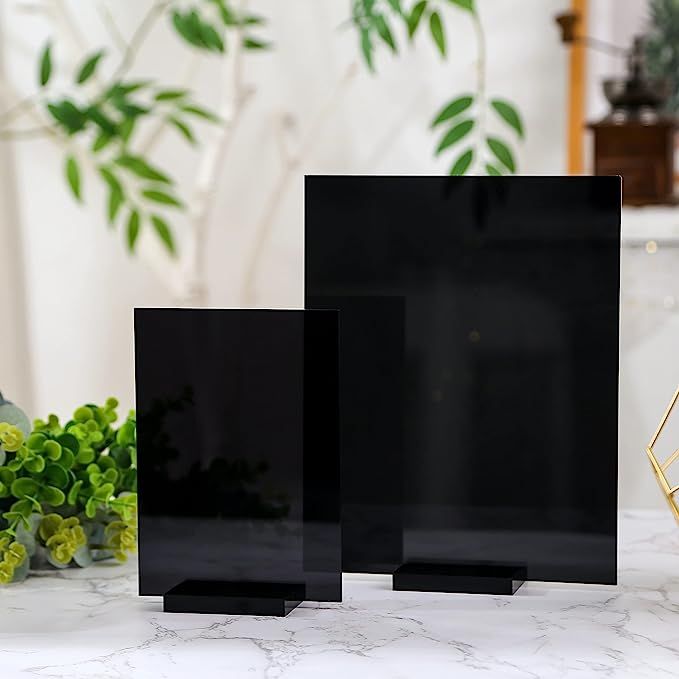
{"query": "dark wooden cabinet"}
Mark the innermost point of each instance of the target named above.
(643, 153)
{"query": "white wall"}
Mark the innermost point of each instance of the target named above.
(81, 284)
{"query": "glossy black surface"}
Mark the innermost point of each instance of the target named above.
(238, 449)
(477, 578)
(233, 598)
(479, 367)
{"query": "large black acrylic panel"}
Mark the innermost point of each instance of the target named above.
(479, 368)
(238, 452)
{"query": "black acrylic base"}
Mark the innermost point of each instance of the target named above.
(233, 598)
(461, 578)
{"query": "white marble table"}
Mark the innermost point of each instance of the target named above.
(91, 624)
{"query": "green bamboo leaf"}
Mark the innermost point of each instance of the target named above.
(502, 153)
(110, 178)
(367, 48)
(183, 129)
(116, 195)
(142, 168)
(73, 176)
(254, 44)
(161, 197)
(200, 112)
(170, 95)
(385, 32)
(101, 141)
(467, 5)
(164, 233)
(126, 128)
(396, 6)
(492, 171)
(99, 118)
(252, 20)
(462, 164)
(45, 65)
(454, 108)
(415, 17)
(68, 115)
(454, 135)
(133, 226)
(509, 114)
(116, 200)
(89, 67)
(436, 28)
(210, 38)
(187, 28)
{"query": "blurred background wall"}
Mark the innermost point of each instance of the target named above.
(69, 290)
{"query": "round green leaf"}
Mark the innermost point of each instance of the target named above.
(52, 496)
(7, 476)
(36, 441)
(91, 508)
(67, 458)
(24, 486)
(34, 464)
(56, 475)
(53, 449)
(69, 441)
(72, 497)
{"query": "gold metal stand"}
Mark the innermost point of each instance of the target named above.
(660, 468)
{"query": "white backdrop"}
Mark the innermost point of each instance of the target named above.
(81, 286)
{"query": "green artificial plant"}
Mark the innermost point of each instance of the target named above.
(67, 492)
(95, 112)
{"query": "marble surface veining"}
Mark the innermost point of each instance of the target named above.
(90, 623)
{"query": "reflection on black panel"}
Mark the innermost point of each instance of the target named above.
(231, 433)
(498, 435)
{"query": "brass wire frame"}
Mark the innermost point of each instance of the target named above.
(670, 492)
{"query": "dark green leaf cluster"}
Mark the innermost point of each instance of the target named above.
(83, 471)
(374, 20)
(456, 117)
(205, 26)
(110, 118)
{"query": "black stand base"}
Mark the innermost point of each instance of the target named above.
(233, 598)
(462, 578)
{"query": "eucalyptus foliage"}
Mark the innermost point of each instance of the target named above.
(67, 492)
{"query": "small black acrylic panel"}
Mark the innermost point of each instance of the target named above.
(237, 426)
(479, 368)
